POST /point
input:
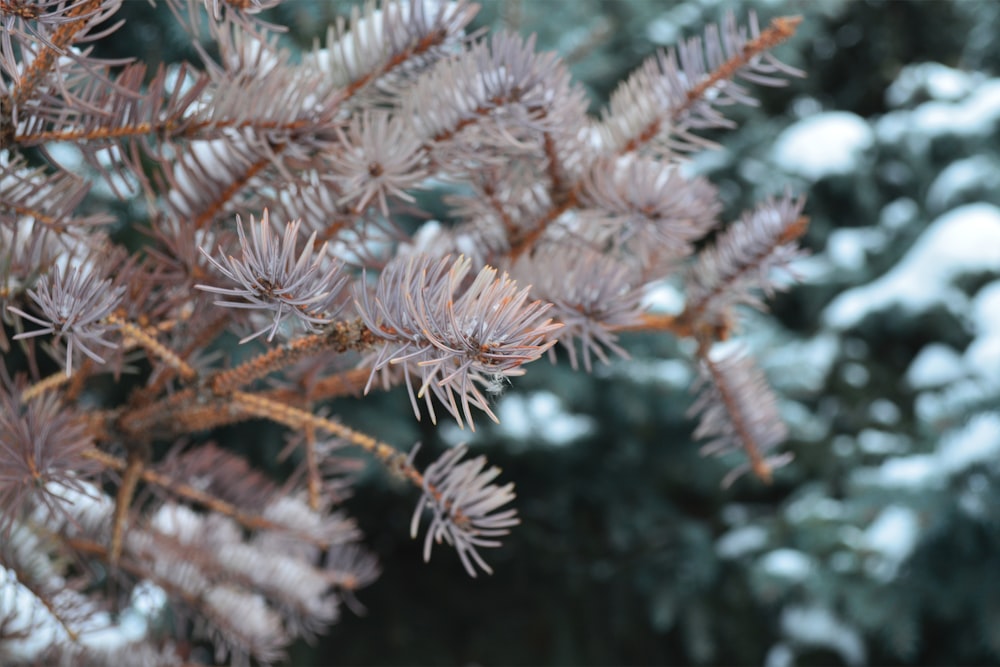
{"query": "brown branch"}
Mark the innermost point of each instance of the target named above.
(781, 30)
(123, 501)
(299, 419)
(193, 409)
(293, 417)
(55, 222)
(208, 214)
(426, 43)
(210, 502)
(137, 422)
(99, 424)
(344, 383)
(660, 322)
(79, 378)
(552, 163)
(148, 341)
(198, 342)
(55, 47)
(510, 227)
(758, 464)
(81, 136)
(339, 337)
(519, 246)
(51, 382)
(312, 468)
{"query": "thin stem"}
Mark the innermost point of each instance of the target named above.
(758, 464)
(660, 322)
(340, 337)
(51, 382)
(296, 418)
(148, 341)
(126, 492)
(312, 468)
(210, 502)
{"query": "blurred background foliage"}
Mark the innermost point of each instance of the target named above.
(880, 543)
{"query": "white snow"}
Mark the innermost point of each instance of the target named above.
(884, 411)
(945, 83)
(933, 407)
(848, 248)
(663, 297)
(874, 441)
(975, 443)
(815, 625)
(966, 239)
(977, 172)
(178, 521)
(813, 507)
(986, 308)
(978, 442)
(935, 365)
(67, 155)
(803, 365)
(22, 611)
(662, 30)
(148, 599)
(912, 473)
(855, 374)
(826, 144)
(804, 424)
(898, 213)
(780, 655)
(788, 564)
(937, 80)
(982, 356)
(541, 415)
(741, 541)
(972, 116)
(892, 536)
(672, 373)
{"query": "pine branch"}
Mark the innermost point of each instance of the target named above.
(461, 496)
(68, 24)
(341, 336)
(49, 199)
(738, 411)
(450, 337)
(184, 491)
(385, 45)
(562, 223)
(673, 95)
(748, 258)
(148, 340)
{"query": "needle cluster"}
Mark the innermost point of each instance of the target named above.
(119, 319)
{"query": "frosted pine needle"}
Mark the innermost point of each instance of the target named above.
(269, 277)
(74, 304)
(451, 336)
(465, 505)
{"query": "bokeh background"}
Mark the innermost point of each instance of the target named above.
(880, 543)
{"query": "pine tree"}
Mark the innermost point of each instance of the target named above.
(269, 190)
